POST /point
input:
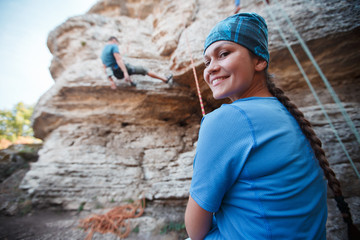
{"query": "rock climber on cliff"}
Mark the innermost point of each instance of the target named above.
(237, 5)
(115, 68)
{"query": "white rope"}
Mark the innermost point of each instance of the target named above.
(312, 90)
(327, 84)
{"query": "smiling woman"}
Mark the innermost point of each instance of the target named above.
(259, 167)
(227, 78)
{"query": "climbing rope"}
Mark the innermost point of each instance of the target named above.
(195, 76)
(313, 90)
(114, 220)
(325, 80)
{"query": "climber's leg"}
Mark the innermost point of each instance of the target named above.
(113, 85)
(111, 77)
(143, 71)
(165, 80)
(237, 6)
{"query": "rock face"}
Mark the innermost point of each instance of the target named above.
(103, 145)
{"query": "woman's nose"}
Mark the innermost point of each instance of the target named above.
(213, 67)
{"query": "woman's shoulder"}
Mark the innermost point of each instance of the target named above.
(224, 115)
(245, 112)
(242, 106)
(224, 111)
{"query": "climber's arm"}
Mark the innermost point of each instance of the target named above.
(122, 66)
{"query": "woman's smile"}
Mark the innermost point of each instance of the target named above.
(229, 69)
(217, 81)
(232, 72)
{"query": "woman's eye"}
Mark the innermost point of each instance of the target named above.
(223, 54)
(206, 63)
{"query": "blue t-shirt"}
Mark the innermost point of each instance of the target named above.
(107, 55)
(255, 170)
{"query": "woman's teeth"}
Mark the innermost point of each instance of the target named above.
(217, 80)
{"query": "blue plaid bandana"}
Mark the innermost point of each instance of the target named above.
(246, 29)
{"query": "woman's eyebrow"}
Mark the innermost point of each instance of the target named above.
(220, 46)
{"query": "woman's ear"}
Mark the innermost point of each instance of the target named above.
(260, 64)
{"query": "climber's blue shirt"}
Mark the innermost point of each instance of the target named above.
(255, 170)
(107, 55)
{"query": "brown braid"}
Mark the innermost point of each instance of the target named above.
(316, 144)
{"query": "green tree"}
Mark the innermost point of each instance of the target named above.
(16, 122)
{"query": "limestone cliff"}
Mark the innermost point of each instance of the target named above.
(102, 145)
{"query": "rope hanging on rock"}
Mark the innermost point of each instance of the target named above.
(195, 76)
(114, 220)
(282, 35)
(325, 80)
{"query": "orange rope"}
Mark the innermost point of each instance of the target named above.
(195, 76)
(114, 220)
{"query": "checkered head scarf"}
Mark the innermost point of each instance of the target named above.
(247, 29)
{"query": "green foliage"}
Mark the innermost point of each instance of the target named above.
(129, 200)
(98, 205)
(172, 226)
(24, 206)
(16, 122)
(28, 149)
(81, 206)
(136, 229)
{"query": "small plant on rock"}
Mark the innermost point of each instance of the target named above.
(173, 227)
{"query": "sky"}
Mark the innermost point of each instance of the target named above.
(24, 55)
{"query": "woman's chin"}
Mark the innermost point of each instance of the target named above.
(218, 96)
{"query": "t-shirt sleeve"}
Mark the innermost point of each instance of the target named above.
(115, 49)
(225, 140)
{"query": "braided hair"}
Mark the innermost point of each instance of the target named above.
(316, 144)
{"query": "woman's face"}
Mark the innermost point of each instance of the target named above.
(230, 71)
